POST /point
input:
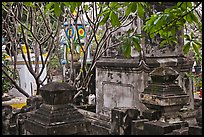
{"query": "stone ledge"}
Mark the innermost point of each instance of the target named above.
(149, 63)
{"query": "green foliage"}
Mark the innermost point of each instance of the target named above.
(59, 5)
(104, 20)
(193, 42)
(110, 11)
(54, 62)
(136, 43)
(126, 47)
(6, 83)
(140, 9)
(198, 58)
(29, 4)
(132, 7)
(129, 41)
(72, 5)
(164, 24)
(57, 9)
(113, 4)
(48, 7)
(186, 48)
(196, 78)
(114, 19)
(167, 23)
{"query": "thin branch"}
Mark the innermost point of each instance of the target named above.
(48, 29)
(50, 49)
(15, 84)
(28, 63)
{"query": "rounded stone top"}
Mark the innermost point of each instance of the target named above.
(57, 86)
(55, 93)
(164, 74)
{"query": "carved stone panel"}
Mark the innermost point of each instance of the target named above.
(120, 95)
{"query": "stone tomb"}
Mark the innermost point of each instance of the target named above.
(119, 81)
(57, 115)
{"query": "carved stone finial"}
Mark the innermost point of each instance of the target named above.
(56, 93)
(164, 74)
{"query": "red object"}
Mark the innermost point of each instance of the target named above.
(200, 93)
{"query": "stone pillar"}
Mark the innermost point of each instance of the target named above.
(56, 115)
(121, 120)
(163, 94)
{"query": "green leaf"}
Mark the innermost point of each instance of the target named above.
(136, 44)
(128, 10)
(131, 8)
(78, 4)
(73, 6)
(192, 35)
(140, 10)
(184, 6)
(48, 6)
(86, 7)
(134, 7)
(113, 4)
(173, 31)
(179, 3)
(152, 35)
(104, 20)
(188, 37)
(162, 43)
(169, 34)
(195, 47)
(156, 21)
(174, 40)
(198, 43)
(67, 4)
(30, 4)
(139, 36)
(189, 4)
(188, 18)
(193, 17)
(57, 9)
(127, 48)
(4, 3)
(186, 48)
(104, 12)
(114, 19)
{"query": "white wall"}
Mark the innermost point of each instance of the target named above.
(26, 80)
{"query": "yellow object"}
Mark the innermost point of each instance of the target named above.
(74, 13)
(68, 50)
(197, 92)
(7, 57)
(81, 50)
(17, 102)
(45, 55)
(18, 105)
(24, 48)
